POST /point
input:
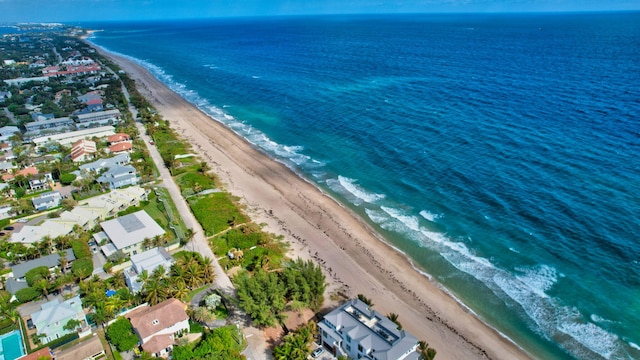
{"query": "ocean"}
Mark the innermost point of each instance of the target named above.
(499, 152)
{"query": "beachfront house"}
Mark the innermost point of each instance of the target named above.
(148, 261)
(158, 325)
(54, 315)
(356, 331)
(127, 233)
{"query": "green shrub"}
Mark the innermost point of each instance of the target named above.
(27, 294)
(37, 273)
(120, 334)
(67, 179)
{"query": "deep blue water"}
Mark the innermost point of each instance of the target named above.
(500, 152)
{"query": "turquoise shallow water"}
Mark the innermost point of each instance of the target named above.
(499, 152)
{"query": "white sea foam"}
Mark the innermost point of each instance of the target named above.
(634, 345)
(359, 192)
(410, 222)
(592, 337)
(430, 216)
(539, 279)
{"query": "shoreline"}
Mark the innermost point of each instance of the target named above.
(355, 258)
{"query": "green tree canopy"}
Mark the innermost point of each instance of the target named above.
(222, 343)
(121, 335)
(262, 296)
(67, 178)
(37, 273)
(27, 294)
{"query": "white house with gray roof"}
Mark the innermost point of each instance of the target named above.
(356, 331)
(47, 200)
(148, 261)
(119, 176)
(108, 163)
(127, 233)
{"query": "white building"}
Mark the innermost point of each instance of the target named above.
(358, 332)
(158, 325)
(127, 233)
(148, 261)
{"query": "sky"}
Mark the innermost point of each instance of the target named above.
(119, 10)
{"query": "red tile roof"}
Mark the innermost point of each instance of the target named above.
(120, 147)
(44, 353)
(118, 137)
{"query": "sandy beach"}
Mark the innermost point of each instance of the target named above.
(354, 258)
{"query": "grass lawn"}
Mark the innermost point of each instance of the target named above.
(195, 292)
(216, 211)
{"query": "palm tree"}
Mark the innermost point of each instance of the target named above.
(180, 291)
(63, 261)
(208, 273)
(426, 353)
(43, 286)
(178, 275)
(394, 318)
(194, 274)
(203, 315)
(154, 292)
(147, 243)
(114, 304)
(156, 241)
(117, 280)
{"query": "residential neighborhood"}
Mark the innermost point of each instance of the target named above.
(116, 241)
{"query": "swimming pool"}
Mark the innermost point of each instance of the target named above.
(11, 346)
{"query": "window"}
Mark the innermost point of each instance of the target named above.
(360, 348)
(348, 347)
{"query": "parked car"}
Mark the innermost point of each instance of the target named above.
(8, 228)
(317, 352)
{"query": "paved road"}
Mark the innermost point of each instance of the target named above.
(256, 349)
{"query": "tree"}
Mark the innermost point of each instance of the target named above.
(296, 345)
(212, 301)
(155, 292)
(365, 300)
(121, 335)
(36, 274)
(262, 296)
(426, 353)
(27, 294)
(394, 318)
(67, 178)
(72, 324)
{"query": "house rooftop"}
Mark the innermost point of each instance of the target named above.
(131, 229)
(149, 320)
(49, 261)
